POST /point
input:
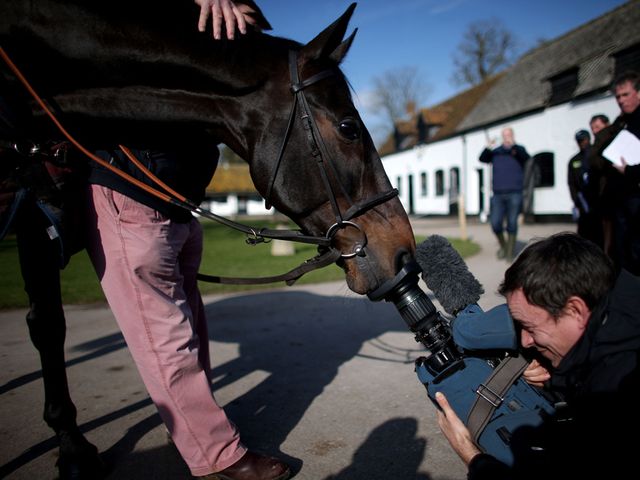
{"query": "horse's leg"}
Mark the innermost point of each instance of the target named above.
(39, 264)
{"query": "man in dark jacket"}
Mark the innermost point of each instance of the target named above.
(585, 324)
(584, 192)
(508, 162)
(622, 182)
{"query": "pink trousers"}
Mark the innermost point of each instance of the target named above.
(147, 266)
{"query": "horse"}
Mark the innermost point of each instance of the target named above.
(120, 69)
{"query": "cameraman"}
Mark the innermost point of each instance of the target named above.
(564, 297)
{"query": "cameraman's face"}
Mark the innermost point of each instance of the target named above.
(552, 337)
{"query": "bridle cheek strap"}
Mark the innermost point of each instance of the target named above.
(320, 152)
(358, 209)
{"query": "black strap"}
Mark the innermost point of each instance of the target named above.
(491, 393)
(290, 277)
(359, 208)
(283, 146)
(257, 235)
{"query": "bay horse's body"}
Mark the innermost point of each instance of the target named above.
(124, 71)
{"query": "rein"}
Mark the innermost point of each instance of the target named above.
(255, 235)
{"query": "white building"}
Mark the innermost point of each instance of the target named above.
(548, 95)
(231, 193)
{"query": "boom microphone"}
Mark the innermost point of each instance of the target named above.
(446, 274)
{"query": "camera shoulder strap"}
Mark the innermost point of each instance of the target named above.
(490, 394)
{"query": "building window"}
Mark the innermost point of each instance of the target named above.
(439, 183)
(423, 184)
(563, 85)
(220, 198)
(627, 59)
(454, 183)
(399, 185)
(544, 169)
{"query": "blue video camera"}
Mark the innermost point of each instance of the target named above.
(483, 384)
(473, 360)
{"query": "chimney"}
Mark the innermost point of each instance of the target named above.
(411, 109)
(397, 138)
(423, 130)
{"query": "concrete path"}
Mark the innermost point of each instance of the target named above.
(315, 374)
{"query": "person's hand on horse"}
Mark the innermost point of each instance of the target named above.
(232, 14)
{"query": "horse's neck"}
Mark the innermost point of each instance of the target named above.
(162, 74)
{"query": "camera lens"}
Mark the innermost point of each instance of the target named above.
(420, 314)
(412, 303)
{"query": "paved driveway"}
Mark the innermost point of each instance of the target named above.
(314, 373)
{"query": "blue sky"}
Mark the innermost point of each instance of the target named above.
(424, 34)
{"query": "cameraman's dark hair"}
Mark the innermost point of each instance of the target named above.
(628, 76)
(553, 269)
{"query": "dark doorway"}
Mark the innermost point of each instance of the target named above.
(410, 191)
(481, 196)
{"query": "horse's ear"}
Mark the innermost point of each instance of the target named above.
(341, 50)
(330, 39)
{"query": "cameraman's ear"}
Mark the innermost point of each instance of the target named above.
(578, 310)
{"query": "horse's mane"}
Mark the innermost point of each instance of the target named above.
(114, 66)
(118, 42)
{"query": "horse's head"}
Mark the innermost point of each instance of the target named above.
(316, 163)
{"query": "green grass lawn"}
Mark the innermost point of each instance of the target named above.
(225, 254)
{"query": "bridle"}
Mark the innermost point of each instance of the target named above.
(256, 235)
(321, 154)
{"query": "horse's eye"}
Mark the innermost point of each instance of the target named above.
(349, 129)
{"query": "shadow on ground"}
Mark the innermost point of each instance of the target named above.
(297, 341)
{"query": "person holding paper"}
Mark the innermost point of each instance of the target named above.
(620, 145)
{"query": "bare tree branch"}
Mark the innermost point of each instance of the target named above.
(396, 89)
(486, 48)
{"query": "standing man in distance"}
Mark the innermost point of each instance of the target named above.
(508, 162)
(622, 181)
(598, 122)
(603, 207)
(584, 192)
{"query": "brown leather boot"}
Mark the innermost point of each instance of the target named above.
(253, 466)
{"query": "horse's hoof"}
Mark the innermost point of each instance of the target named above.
(85, 468)
(79, 459)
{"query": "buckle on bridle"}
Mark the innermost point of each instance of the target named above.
(254, 238)
(26, 149)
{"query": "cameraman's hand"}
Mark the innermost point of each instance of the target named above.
(536, 374)
(456, 432)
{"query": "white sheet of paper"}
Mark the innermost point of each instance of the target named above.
(626, 145)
